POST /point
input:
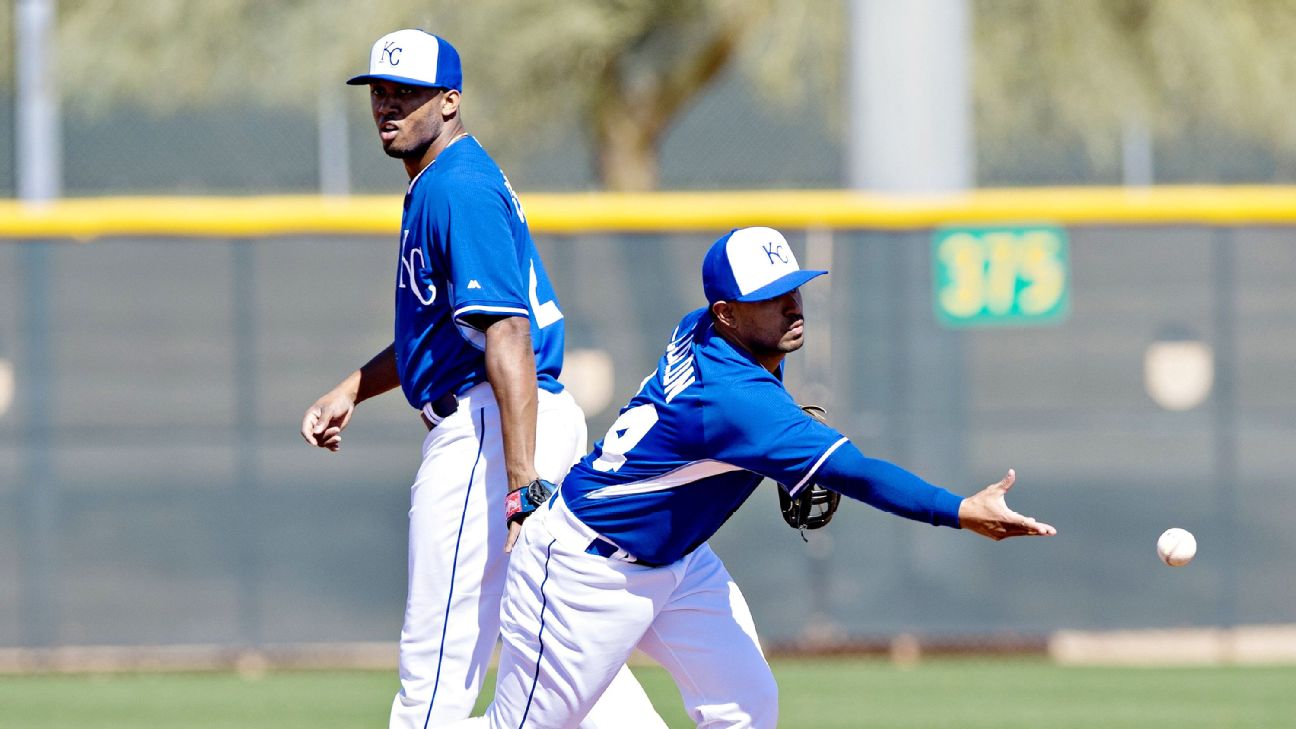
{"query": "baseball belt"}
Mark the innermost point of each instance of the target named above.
(570, 530)
(439, 409)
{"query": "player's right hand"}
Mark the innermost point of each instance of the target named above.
(987, 513)
(324, 421)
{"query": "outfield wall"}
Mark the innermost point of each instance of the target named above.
(661, 212)
(154, 491)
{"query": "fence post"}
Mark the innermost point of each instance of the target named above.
(819, 390)
(38, 155)
(246, 511)
(1225, 412)
(38, 519)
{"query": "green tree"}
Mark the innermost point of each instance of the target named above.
(621, 71)
(6, 42)
(1082, 70)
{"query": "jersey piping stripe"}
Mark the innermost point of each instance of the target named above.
(815, 468)
(415, 178)
(687, 473)
(472, 334)
(473, 309)
(544, 603)
(454, 566)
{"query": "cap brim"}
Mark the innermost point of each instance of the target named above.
(369, 78)
(794, 280)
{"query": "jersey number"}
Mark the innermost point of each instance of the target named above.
(624, 435)
(546, 313)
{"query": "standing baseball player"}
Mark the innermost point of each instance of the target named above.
(618, 559)
(477, 351)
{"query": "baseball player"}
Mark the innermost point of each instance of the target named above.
(477, 351)
(617, 559)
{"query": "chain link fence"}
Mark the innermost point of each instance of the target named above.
(154, 489)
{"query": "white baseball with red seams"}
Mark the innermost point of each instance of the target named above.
(1176, 547)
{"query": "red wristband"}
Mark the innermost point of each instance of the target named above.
(512, 505)
(519, 504)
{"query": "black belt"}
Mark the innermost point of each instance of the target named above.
(442, 408)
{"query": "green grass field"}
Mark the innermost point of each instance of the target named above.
(815, 694)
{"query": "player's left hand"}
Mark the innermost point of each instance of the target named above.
(522, 503)
(986, 513)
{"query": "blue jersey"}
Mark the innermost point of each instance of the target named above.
(692, 445)
(465, 250)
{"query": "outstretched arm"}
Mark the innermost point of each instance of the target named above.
(323, 423)
(890, 488)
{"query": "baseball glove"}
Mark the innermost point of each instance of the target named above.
(814, 507)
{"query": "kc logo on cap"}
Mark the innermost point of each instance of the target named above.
(751, 264)
(390, 54)
(415, 58)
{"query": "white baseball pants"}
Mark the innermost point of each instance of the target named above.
(571, 619)
(457, 562)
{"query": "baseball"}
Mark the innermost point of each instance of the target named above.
(1176, 547)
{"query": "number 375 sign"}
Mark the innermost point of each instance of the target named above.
(1001, 275)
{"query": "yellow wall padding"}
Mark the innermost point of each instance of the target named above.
(709, 212)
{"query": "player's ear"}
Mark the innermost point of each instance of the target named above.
(723, 312)
(449, 103)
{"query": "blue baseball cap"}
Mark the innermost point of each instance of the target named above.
(415, 58)
(751, 264)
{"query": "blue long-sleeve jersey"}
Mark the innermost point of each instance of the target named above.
(697, 439)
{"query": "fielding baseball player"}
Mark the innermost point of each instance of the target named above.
(477, 350)
(617, 559)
